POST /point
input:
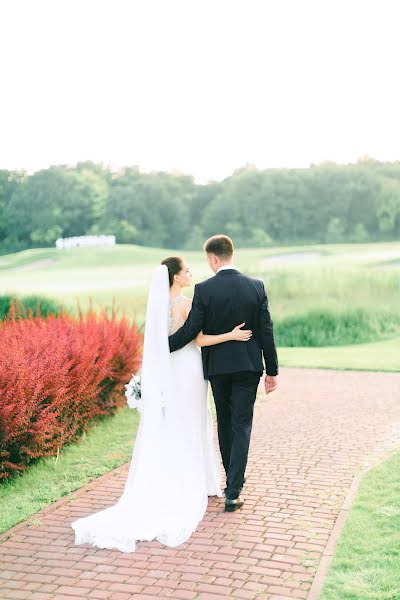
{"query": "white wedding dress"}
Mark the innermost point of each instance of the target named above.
(174, 466)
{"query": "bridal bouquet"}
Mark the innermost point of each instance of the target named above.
(134, 392)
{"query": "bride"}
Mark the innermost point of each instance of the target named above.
(174, 467)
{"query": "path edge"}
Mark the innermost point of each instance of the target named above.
(330, 548)
(54, 505)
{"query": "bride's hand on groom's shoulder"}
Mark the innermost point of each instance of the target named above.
(240, 335)
(271, 383)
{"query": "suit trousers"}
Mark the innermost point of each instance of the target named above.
(234, 397)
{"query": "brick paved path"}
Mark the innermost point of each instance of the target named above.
(309, 439)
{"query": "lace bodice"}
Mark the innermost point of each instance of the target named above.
(175, 319)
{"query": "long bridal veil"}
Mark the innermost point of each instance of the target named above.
(156, 389)
(174, 466)
(137, 513)
(155, 380)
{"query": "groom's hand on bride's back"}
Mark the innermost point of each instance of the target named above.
(271, 383)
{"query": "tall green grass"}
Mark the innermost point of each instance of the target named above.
(41, 305)
(333, 306)
(296, 291)
(318, 328)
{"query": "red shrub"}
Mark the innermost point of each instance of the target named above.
(56, 374)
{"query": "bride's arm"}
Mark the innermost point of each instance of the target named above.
(238, 334)
(203, 339)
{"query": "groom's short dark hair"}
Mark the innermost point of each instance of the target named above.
(220, 245)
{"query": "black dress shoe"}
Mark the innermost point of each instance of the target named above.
(234, 504)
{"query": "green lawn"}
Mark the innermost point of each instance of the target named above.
(105, 446)
(377, 356)
(366, 565)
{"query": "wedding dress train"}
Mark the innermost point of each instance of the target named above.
(174, 466)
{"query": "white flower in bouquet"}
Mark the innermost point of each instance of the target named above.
(133, 392)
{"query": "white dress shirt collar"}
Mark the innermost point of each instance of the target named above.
(225, 267)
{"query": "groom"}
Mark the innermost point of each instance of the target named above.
(233, 368)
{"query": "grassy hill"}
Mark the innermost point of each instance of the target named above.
(306, 282)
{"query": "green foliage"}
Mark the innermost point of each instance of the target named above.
(195, 239)
(46, 306)
(335, 232)
(259, 238)
(389, 208)
(54, 202)
(328, 328)
(327, 203)
(155, 205)
(360, 234)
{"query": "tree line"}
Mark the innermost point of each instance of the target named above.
(324, 203)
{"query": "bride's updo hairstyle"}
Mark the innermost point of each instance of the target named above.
(174, 266)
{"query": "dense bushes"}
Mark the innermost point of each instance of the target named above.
(38, 305)
(319, 328)
(56, 374)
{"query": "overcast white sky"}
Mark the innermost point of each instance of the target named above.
(199, 86)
